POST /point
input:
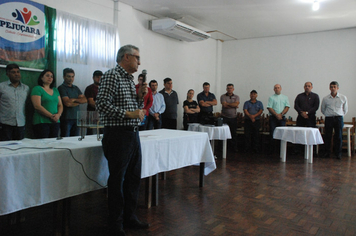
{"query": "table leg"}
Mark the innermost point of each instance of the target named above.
(224, 148)
(148, 191)
(212, 145)
(306, 152)
(61, 217)
(201, 174)
(283, 151)
(310, 152)
(348, 142)
(163, 175)
(155, 190)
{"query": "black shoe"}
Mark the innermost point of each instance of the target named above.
(325, 155)
(116, 231)
(256, 151)
(232, 149)
(136, 224)
(338, 156)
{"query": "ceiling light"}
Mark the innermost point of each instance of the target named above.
(316, 5)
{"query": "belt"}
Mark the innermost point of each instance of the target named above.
(333, 116)
(126, 128)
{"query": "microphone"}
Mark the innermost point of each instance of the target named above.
(144, 72)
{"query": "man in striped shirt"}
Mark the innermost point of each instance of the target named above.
(120, 111)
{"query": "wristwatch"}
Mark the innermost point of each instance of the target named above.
(306, 112)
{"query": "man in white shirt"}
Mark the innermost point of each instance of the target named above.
(13, 97)
(334, 107)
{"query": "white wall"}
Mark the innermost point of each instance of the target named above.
(189, 65)
(291, 61)
(249, 64)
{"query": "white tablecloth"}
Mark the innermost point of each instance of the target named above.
(214, 132)
(42, 174)
(301, 135)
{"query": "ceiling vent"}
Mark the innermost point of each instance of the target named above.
(177, 30)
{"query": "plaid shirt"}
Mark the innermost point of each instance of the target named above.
(116, 95)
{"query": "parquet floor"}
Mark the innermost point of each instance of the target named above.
(245, 195)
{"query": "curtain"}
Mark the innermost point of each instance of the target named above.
(85, 41)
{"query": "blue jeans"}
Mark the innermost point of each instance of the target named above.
(153, 123)
(336, 123)
(69, 128)
(122, 149)
(8, 132)
(46, 130)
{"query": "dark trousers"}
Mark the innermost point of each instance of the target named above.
(252, 135)
(169, 123)
(153, 123)
(232, 123)
(8, 132)
(310, 122)
(202, 115)
(122, 149)
(302, 122)
(69, 128)
(46, 130)
(336, 123)
(189, 118)
(273, 123)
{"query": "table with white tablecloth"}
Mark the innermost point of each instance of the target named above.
(37, 172)
(214, 133)
(298, 135)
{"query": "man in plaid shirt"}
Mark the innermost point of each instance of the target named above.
(119, 109)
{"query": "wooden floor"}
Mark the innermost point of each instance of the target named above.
(245, 195)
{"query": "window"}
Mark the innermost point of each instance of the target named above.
(84, 41)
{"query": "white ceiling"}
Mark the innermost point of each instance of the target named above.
(243, 19)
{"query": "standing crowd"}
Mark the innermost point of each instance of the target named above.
(55, 110)
(126, 108)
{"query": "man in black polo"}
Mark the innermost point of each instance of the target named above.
(120, 111)
(206, 101)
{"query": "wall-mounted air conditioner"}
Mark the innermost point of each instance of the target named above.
(178, 30)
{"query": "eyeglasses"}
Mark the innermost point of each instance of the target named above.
(137, 57)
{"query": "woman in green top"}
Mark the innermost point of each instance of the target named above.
(48, 106)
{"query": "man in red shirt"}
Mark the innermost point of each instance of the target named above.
(147, 101)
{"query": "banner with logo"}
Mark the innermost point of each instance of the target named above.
(23, 33)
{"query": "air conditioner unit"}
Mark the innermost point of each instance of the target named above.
(177, 30)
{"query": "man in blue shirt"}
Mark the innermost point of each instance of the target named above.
(206, 102)
(253, 110)
(157, 108)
